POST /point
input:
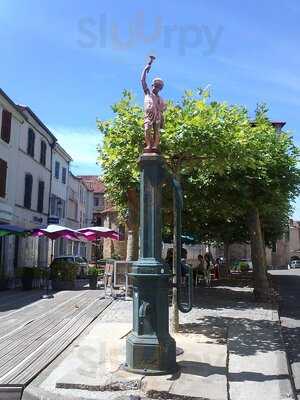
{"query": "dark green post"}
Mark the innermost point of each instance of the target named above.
(149, 348)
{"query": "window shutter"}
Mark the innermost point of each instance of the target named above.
(41, 189)
(28, 191)
(30, 143)
(3, 172)
(6, 126)
(64, 175)
(57, 169)
(43, 153)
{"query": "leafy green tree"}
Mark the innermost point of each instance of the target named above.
(250, 200)
(191, 136)
(236, 173)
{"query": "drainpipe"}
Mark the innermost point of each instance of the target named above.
(50, 186)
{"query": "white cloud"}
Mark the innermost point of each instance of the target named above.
(81, 144)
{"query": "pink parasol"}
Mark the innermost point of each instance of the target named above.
(56, 231)
(98, 232)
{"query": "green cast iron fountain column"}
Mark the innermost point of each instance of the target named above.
(149, 348)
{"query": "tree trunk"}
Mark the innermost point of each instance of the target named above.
(132, 251)
(226, 256)
(133, 226)
(261, 285)
(175, 312)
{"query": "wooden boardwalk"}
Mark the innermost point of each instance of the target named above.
(34, 331)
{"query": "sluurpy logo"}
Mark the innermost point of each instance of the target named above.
(102, 32)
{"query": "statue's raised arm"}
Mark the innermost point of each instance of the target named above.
(144, 75)
(143, 78)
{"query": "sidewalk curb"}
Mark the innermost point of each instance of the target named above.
(274, 280)
(227, 364)
(287, 358)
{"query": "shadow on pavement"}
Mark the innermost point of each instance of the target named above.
(205, 370)
(228, 297)
(15, 299)
(289, 310)
(232, 315)
(246, 336)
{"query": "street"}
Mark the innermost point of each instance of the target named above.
(289, 310)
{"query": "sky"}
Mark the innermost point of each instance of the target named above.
(70, 60)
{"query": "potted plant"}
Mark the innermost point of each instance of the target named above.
(63, 275)
(3, 279)
(93, 277)
(244, 267)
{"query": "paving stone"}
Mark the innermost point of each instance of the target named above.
(94, 363)
(202, 369)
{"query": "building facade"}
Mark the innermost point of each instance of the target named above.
(98, 191)
(59, 194)
(104, 214)
(12, 121)
(33, 188)
(36, 189)
(79, 213)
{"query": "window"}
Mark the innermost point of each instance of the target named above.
(57, 206)
(43, 153)
(56, 172)
(28, 191)
(30, 142)
(60, 207)
(63, 175)
(96, 201)
(3, 172)
(6, 126)
(40, 204)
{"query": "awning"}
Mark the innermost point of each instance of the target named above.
(7, 229)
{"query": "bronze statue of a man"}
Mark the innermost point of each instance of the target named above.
(154, 107)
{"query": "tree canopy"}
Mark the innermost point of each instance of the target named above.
(226, 163)
(238, 175)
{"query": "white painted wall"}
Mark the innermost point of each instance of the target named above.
(84, 199)
(9, 153)
(72, 202)
(59, 188)
(31, 253)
